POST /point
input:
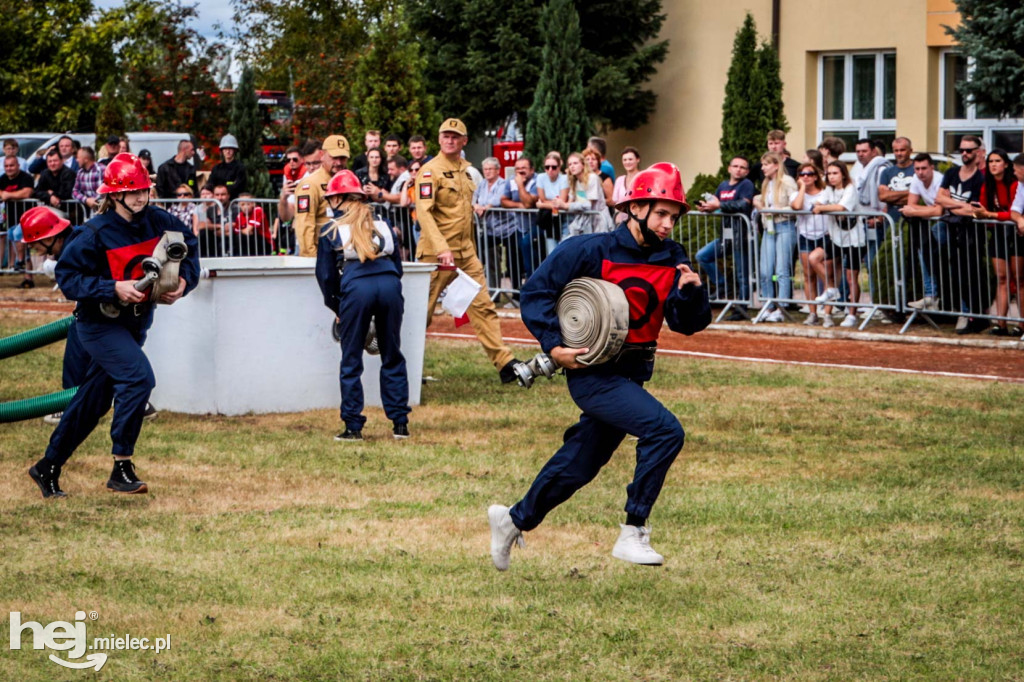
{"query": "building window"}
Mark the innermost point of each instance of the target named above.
(858, 96)
(961, 117)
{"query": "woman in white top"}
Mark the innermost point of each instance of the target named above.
(585, 194)
(623, 183)
(810, 230)
(779, 238)
(844, 240)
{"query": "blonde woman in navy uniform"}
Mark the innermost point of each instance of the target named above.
(98, 269)
(359, 270)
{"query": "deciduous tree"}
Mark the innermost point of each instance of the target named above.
(307, 48)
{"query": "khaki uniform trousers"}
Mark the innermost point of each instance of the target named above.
(482, 314)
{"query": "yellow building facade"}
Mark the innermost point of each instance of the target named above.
(864, 68)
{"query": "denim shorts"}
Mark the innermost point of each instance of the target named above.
(808, 245)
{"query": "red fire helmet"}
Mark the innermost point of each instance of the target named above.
(41, 223)
(660, 182)
(125, 173)
(344, 182)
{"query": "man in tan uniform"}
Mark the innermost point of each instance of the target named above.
(444, 208)
(310, 205)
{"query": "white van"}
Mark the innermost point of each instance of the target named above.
(161, 146)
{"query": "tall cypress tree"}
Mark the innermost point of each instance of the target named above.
(389, 91)
(771, 110)
(742, 131)
(557, 119)
(247, 129)
(112, 115)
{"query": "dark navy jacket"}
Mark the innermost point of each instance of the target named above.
(647, 274)
(330, 260)
(107, 249)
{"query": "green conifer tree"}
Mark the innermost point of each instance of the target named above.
(388, 91)
(112, 114)
(247, 129)
(742, 128)
(772, 113)
(990, 34)
(557, 119)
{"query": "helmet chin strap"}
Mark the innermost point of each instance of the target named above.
(650, 238)
(135, 215)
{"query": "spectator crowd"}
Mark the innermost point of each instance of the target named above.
(771, 215)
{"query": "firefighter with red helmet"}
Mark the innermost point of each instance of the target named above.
(660, 286)
(359, 270)
(99, 269)
(46, 231)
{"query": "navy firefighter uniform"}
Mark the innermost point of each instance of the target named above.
(358, 292)
(105, 250)
(611, 395)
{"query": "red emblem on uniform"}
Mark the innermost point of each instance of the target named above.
(303, 205)
(426, 190)
(126, 262)
(647, 287)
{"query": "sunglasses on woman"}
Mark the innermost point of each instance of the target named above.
(807, 174)
(183, 195)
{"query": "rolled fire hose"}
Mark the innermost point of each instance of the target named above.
(593, 314)
(160, 271)
(35, 338)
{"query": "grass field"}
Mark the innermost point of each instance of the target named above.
(818, 525)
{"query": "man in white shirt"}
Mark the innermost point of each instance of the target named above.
(926, 238)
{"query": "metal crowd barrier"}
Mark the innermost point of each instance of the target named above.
(863, 264)
(247, 227)
(14, 255)
(724, 247)
(968, 269)
(512, 242)
(400, 217)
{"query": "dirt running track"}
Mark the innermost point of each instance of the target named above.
(990, 362)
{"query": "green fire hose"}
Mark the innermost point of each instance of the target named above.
(35, 338)
(40, 406)
(32, 408)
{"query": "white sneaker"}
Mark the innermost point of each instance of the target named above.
(805, 309)
(53, 418)
(811, 320)
(634, 546)
(504, 534)
(827, 321)
(775, 316)
(961, 323)
(830, 294)
(926, 303)
(849, 321)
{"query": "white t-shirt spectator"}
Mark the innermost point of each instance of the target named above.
(844, 231)
(399, 184)
(928, 194)
(552, 189)
(812, 226)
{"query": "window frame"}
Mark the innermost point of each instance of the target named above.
(848, 124)
(972, 124)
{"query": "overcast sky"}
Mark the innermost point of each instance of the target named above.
(210, 13)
